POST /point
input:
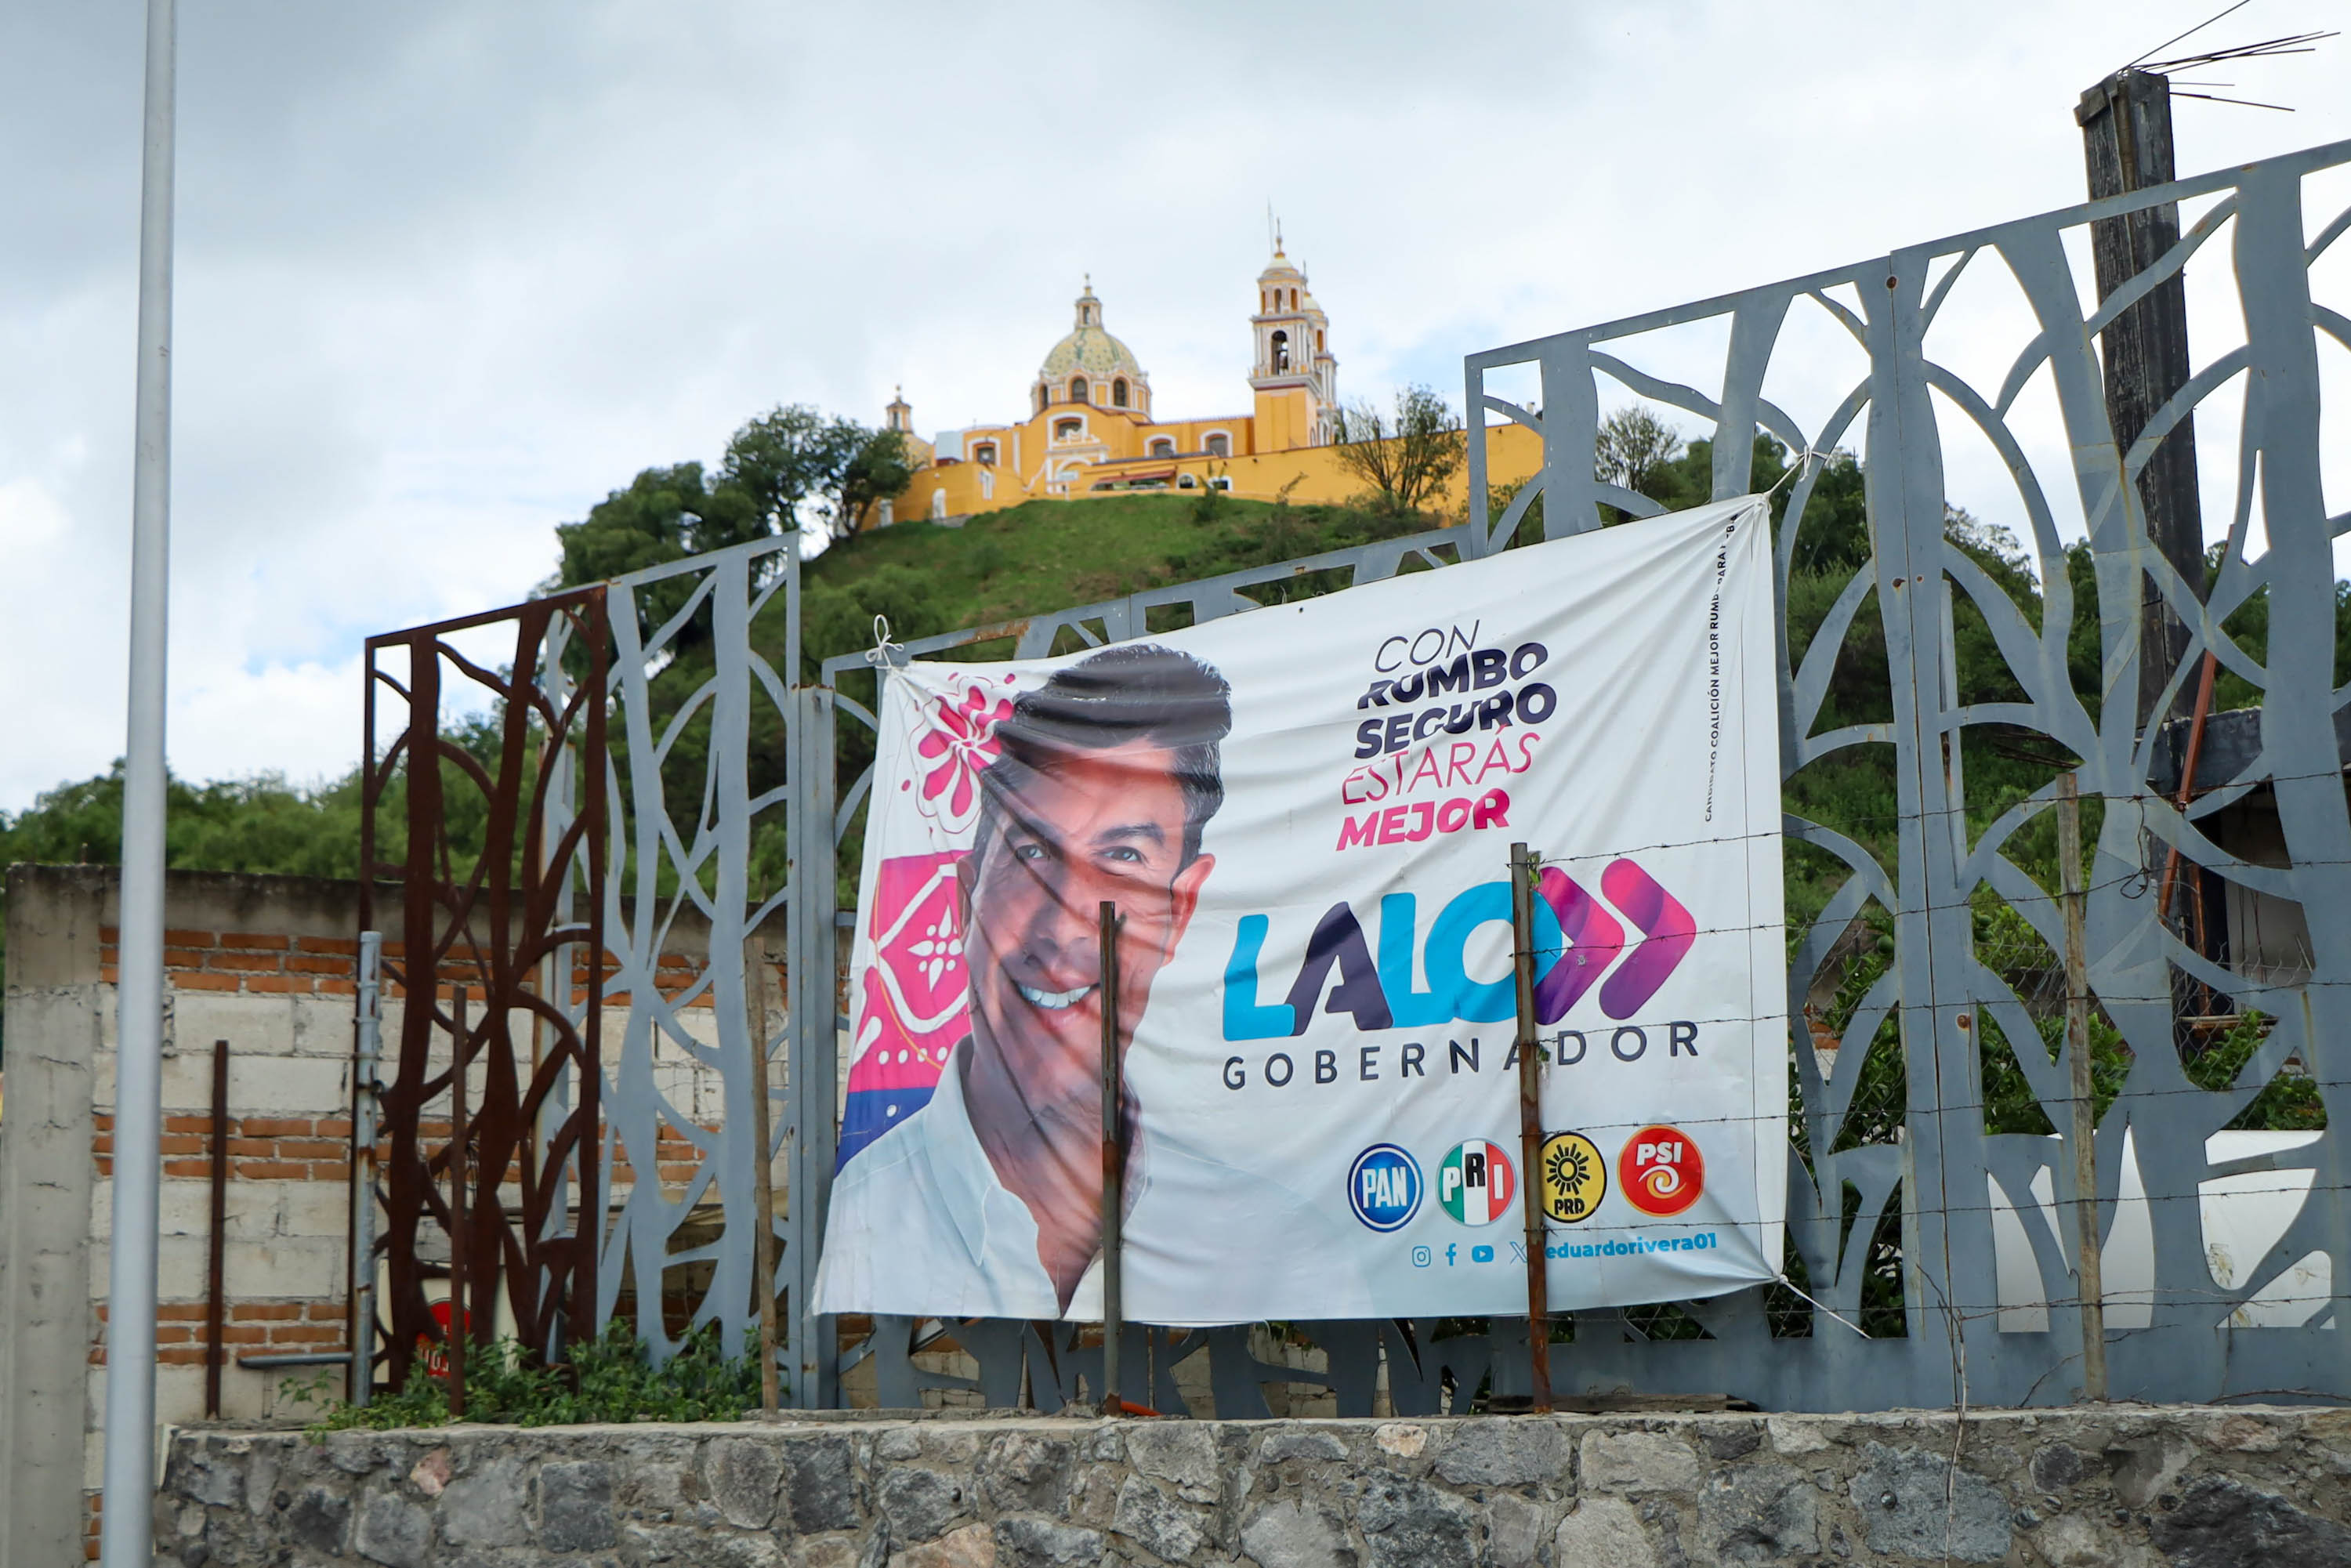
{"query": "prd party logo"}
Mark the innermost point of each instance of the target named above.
(1383, 1187)
(1476, 1183)
(1661, 1171)
(1574, 1178)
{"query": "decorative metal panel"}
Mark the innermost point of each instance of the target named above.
(1895, 1175)
(481, 1097)
(1931, 1129)
(1952, 872)
(698, 849)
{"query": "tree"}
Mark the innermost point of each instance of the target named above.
(789, 456)
(1632, 447)
(665, 515)
(797, 454)
(1408, 457)
(880, 470)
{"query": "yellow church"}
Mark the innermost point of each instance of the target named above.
(1091, 429)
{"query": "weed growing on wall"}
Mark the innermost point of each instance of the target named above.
(611, 1379)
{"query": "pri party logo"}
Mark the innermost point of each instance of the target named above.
(915, 994)
(1661, 1171)
(1476, 1183)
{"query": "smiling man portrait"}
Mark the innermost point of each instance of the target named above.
(986, 1201)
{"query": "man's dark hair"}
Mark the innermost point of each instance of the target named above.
(1140, 692)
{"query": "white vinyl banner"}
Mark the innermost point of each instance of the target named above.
(1303, 817)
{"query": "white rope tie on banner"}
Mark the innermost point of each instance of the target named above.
(1821, 1306)
(1807, 455)
(884, 655)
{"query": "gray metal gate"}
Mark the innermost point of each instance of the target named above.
(1916, 1192)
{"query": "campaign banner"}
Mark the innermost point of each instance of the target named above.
(1303, 816)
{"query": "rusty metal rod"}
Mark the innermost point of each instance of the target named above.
(1531, 1136)
(215, 1266)
(2089, 1273)
(456, 1340)
(1113, 1190)
(2187, 779)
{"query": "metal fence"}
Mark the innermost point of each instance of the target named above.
(1932, 1152)
(495, 1074)
(1956, 1003)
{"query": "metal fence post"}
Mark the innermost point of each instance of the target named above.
(813, 1018)
(763, 1191)
(1113, 1155)
(215, 1271)
(1531, 1136)
(458, 1173)
(367, 1050)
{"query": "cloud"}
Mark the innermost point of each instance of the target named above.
(447, 273)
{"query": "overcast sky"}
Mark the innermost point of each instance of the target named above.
(447, 273)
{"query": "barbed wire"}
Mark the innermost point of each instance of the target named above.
(1944, 813)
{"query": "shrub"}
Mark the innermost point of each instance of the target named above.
(610, 1379)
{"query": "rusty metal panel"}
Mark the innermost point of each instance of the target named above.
(482, 962)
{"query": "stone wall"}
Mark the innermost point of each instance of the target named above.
(2198, 1488)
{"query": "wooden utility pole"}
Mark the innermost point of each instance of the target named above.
(2125, 124)
(2082, 1132)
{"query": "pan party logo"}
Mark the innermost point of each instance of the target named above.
(1383, 1187)
(1574, 1178)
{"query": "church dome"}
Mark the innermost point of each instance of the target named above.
(1091, 366)
(1092, 350)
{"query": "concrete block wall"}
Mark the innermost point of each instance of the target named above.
(266, 963)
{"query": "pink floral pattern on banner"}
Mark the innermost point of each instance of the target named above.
(915, 996)
(958, 739)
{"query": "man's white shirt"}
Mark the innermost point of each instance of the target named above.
(941, 1236)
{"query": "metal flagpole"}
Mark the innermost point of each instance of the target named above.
(127, 1521)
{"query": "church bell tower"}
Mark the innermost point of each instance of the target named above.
(1295, 376)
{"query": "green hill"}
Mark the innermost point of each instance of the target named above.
(1048, 555)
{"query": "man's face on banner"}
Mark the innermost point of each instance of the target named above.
(1088, 826)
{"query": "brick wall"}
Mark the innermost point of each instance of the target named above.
(256, 963)
(263, 963)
